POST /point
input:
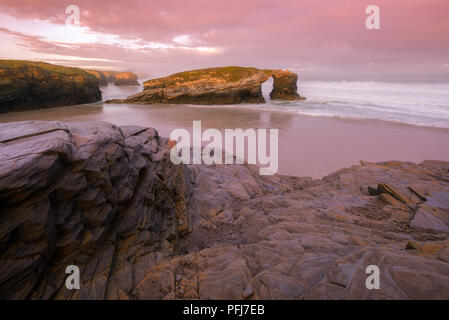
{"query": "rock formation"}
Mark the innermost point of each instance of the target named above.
(102, 79)
(33, 85)
(118, 78)
(126, 79)
(89, 194)
(110, 75)
(109, 200)
(284, 86)
(227, 85)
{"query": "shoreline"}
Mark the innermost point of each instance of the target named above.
(349, 119)
(256, 108)
(321, 144)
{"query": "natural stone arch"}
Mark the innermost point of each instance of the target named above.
(222, 85)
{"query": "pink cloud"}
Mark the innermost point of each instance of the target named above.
(322, 37)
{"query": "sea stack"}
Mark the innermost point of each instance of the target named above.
(284, 86)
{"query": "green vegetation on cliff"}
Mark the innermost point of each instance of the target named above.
(222, 85)
(224, 74)
(33, 85)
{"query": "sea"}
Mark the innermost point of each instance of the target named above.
(339, 123)
(419, 104)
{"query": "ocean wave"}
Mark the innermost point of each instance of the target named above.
(419, 104)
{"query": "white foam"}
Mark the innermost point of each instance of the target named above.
(421, 104)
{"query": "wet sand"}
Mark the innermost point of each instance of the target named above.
(308, 146)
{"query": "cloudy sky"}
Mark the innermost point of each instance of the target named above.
(320, 39)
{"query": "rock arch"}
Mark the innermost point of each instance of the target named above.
(222, 85)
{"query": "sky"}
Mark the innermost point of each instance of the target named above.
(318, 39)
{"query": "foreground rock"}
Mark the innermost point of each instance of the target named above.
(28, 85)
(90, 194)
(108, 200)
(227, 85)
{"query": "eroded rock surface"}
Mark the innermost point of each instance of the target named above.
(104, 198)
(28, 85)
(109, 200)
(226, 85)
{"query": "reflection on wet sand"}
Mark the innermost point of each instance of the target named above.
(308, 146)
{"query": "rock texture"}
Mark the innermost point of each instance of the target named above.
(227, 85)
(32, 85)
(104, 198)
(108, 200)
(126, 79)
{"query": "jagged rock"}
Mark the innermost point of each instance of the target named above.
(428, 218)
(227, 85)
(88, 194)
(109, 200)
(32, 85)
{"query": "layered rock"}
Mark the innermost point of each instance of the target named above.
(108, 200)
(126, 79)
(32, 85)
(104, 198)
(227, 85)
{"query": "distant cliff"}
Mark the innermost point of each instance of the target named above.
(117, 78)
(101, 77)
(126, 79)
(225, 85)
(110, 75)
(28, 85)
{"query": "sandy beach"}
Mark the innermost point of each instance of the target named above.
(308, 145)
